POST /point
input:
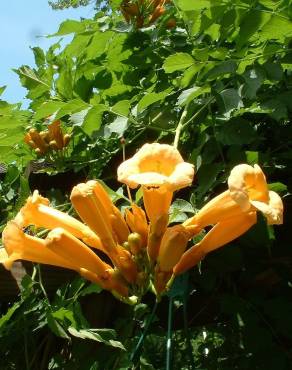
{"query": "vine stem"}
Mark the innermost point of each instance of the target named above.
(143, 336)
(180, 126)
(169, 334)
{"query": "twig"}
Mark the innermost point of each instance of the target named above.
(136, 351)
(180, 126)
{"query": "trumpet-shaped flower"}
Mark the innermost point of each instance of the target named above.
(156, 165)
(95, 208)
(19, 245)
(59, 249)
(248, 188)
(248, 191)
(87, 263)
(222, 233)
(37, 211)
(160, 170)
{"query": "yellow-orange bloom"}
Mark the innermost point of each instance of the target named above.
(37, 211)
(160, 170)
(55, 133)
(222, 233)
(34, 139)
(19, 245)
(233, 212)
(248, 188)
(156, 165)
(172, 247)
(248, 191)
(59, 249)
(95, 208)
(86, 262)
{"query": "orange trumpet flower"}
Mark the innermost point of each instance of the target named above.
(222, 233)
(94, 206)
(37, 211)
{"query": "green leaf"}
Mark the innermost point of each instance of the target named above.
(92, 288)
(31, 75)
(178, 62)
(92, 120)
(55, 326)
(64, 314)
(151, 98)
(47, 109)
(252, 157)
(39, 56)
(206, 177)
(278, 187)
(253, 81)
(98, 44)
(250, 26)
(118, 126)
(188, 5)
(73, 106)
(2, 89)
(106, 336)
(178, 210)
(229, 101)
(277, 28)
(121, 108)
(221, 69)
(5, 318)
(190, 94)
(278, 109)
(69, 26)
(189, 74)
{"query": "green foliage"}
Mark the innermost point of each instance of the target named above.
(228, 66)
(64, 4)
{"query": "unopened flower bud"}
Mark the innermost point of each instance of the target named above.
(135, 243)
(66, 139)
(53, 145)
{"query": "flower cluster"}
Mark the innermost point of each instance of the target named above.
(47, 140)
(142, 13)
(128, 254)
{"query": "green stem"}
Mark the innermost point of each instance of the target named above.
(41, 283)
(137, 349)
(180, 126)
(169, 335)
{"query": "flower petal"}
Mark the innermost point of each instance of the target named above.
(247, 183)
(156, 164)
(273, 211)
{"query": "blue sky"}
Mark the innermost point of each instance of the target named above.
(21, 21)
